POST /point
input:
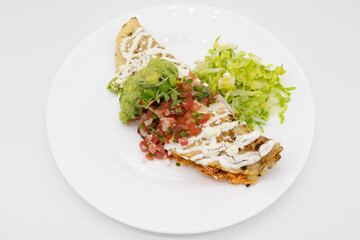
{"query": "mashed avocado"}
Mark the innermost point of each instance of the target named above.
(149, 77)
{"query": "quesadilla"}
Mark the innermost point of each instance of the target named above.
(196, 127)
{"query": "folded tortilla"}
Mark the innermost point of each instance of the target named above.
(134, 48)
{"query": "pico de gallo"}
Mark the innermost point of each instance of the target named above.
(166, 109)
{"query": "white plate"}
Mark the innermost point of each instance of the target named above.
(101, 159)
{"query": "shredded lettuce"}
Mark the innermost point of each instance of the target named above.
(252, 89)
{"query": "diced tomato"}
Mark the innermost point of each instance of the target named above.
(179, 121)
(193, 130)
(143, 147)
(176, 129)
(159, 131)
(143, 132)
(183, 141)
(205, 118)
(195, 107)
(168, 135)
(186, 94)
(166, 123)
(187, 102)
(165, 106)
(148, 138)
(205, 101)
(192, 76)
(185, 87)
(183, 126)
(152, 148)
(166, 112)
(191, 125)
(159, 112)
(188, 114)
(160, 148)
(148, 121)
(149, 114)
(159, 155)
(182, 120)
(154, 138)
(150, 157)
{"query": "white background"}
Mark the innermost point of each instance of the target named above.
(37, 203)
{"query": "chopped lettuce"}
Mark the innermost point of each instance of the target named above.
(252, 89)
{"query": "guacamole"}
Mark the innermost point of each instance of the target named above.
(149, 77)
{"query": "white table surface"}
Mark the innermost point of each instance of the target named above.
(37, 203)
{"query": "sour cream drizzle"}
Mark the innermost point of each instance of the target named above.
(138, 52)
(206, 147)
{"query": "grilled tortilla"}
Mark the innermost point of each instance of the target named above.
(247, 174)
(145, 42)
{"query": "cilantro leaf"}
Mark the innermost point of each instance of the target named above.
(166, 97)
(174, 103)
(147, 95)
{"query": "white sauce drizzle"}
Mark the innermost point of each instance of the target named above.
(206, 148)
(137, 61)
(266, 148)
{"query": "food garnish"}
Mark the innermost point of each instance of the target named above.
(252, 89)
(181, 117)
(165, 106)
